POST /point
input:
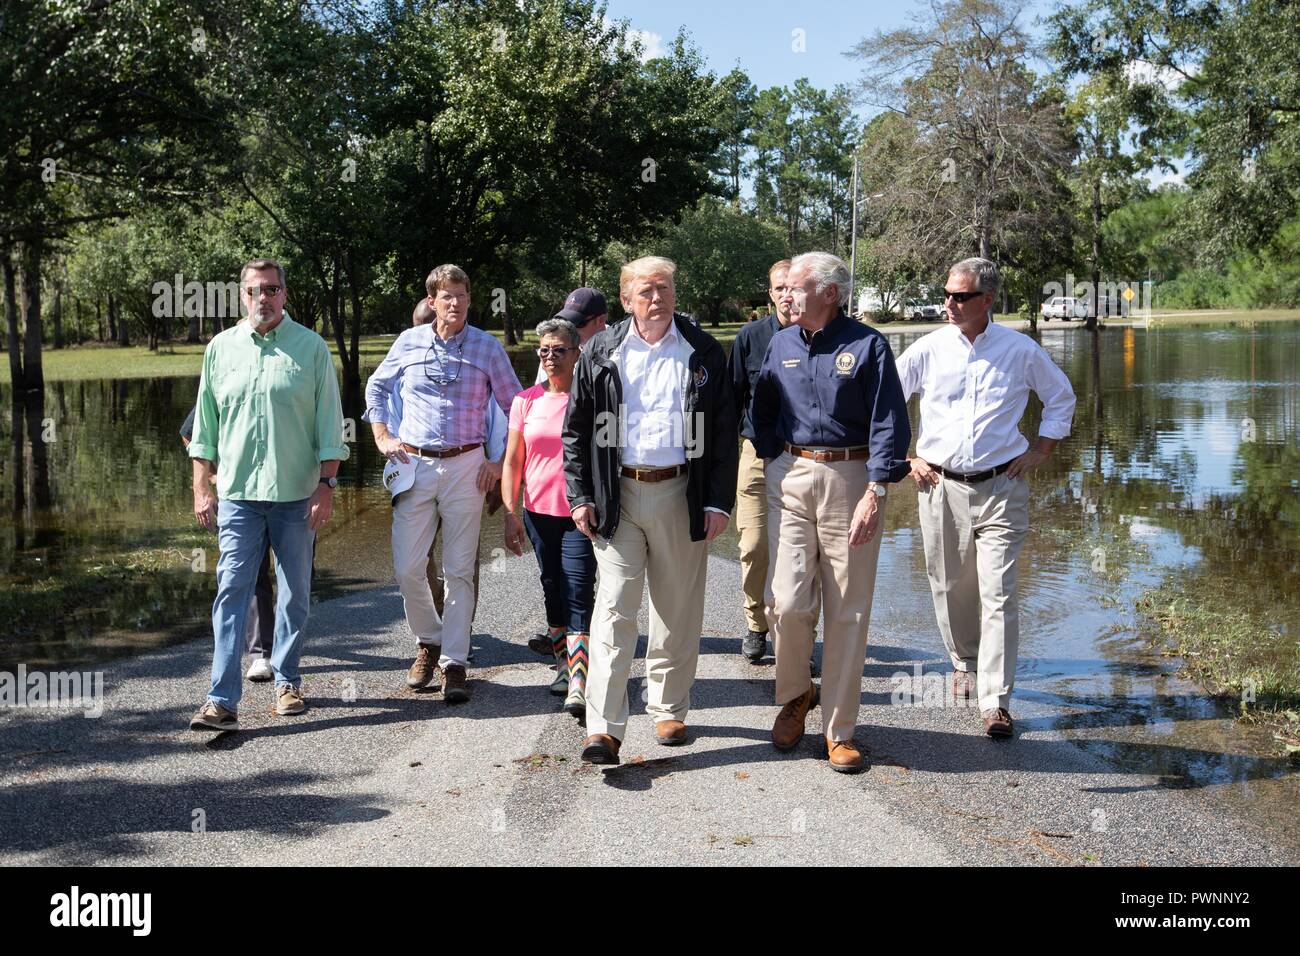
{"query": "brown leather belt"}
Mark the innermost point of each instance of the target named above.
(651, 474)
(828, 454)
(440, 452)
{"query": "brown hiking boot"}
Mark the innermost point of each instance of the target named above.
(788, 729)
(600, 748)
(425, 667)
(843, 756)
(997, 723)
(454, 688)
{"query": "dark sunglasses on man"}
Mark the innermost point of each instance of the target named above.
(960, 296)
(559, 351)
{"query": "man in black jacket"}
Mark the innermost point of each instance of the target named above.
(650, 465)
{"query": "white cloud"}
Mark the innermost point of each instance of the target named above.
(1146, 72)
(652, 44)
(1158, 177)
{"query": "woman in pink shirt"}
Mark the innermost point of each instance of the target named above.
(535, 455)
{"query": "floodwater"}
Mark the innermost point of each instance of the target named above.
(1183, 469)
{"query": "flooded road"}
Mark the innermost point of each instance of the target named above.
(1183, 470)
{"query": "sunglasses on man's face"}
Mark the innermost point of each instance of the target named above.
(961, 296)
(254, 291)
(559, 351)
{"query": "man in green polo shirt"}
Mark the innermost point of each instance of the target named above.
(269, 422)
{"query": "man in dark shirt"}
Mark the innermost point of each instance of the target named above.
(830, 422)
(746, 360)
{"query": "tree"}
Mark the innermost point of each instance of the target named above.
(803, 141)
(104, 107)
(1216, 79)
(984, 129)
(503, 126)
(722, 255)
(730, 164)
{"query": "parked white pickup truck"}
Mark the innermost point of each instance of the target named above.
(924, 312)
(1065, 308)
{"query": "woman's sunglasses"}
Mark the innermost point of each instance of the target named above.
(559, 351)
(961, 296)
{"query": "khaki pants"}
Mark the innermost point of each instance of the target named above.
(651, 548)
(434, 574)
(444, 494)
(973, 535)
(810, 508)
(751, 521)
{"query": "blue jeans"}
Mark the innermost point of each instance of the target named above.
(243, 529)
(568, 567)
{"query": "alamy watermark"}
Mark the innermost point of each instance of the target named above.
(191, 300)
(53, 689)
(919, 689)
(1106, 300)
(651, 429)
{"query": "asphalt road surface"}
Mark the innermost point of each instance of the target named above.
(374, 773)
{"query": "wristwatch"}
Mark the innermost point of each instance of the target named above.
(331, 481)
(877, 489)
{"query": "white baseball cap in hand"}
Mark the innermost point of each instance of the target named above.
(399, 476)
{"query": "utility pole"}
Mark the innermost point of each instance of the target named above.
(853, 238)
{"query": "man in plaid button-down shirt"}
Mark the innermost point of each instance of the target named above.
(445, 373)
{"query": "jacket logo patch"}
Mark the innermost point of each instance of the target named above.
(701, 377)
(789, 363)
(844, 363)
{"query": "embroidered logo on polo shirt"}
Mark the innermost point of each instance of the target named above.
(844, 363)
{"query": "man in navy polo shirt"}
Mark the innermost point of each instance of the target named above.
(830, 423)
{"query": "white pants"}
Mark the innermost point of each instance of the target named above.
(444, 490)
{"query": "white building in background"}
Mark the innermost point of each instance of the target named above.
(870, 300)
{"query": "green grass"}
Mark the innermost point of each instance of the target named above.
(94, 360)
(1234, 653)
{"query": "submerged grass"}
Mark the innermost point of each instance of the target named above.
(1234, 653)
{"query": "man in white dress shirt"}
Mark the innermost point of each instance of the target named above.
(971, 467)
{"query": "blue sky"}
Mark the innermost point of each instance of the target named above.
(758, 34)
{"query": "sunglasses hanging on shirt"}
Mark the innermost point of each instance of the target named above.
(440, 351)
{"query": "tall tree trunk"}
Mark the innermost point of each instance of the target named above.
(58, 316)
(99, 319)
(11, 325)
(352, 355)
(30, 263)
(123, 327)
(508, 324)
